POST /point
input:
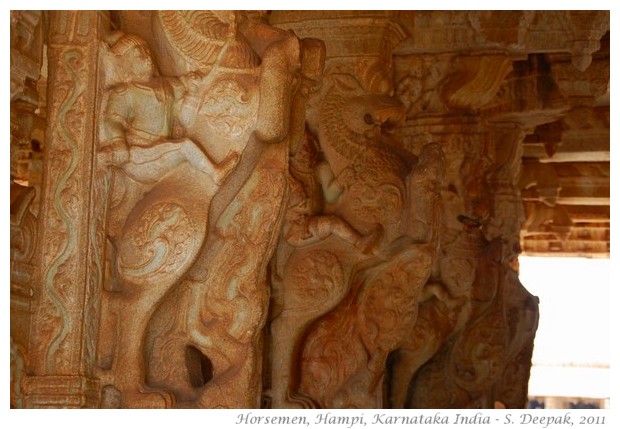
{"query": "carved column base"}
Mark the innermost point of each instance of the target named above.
(61, 391)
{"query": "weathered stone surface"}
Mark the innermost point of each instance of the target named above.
(295, 209)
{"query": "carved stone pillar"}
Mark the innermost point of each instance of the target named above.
(68, 275)
(450, 98)
(23, 242)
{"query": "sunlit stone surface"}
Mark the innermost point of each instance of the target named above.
(302, 209)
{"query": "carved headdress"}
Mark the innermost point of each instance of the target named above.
(126, 42)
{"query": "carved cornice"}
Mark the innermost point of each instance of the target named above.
(587, 87)
(346, 33)
(514, 32)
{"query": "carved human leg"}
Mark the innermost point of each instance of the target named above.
(130, 364)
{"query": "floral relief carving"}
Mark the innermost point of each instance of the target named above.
(158, 244)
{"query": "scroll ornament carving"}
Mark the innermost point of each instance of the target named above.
(18, 370)
(151, 233)
(344, 356)
(159, 243)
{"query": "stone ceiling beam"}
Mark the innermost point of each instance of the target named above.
(577, 146)
(588, 213)
(557, 248)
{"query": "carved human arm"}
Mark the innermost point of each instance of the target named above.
(154, 162)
